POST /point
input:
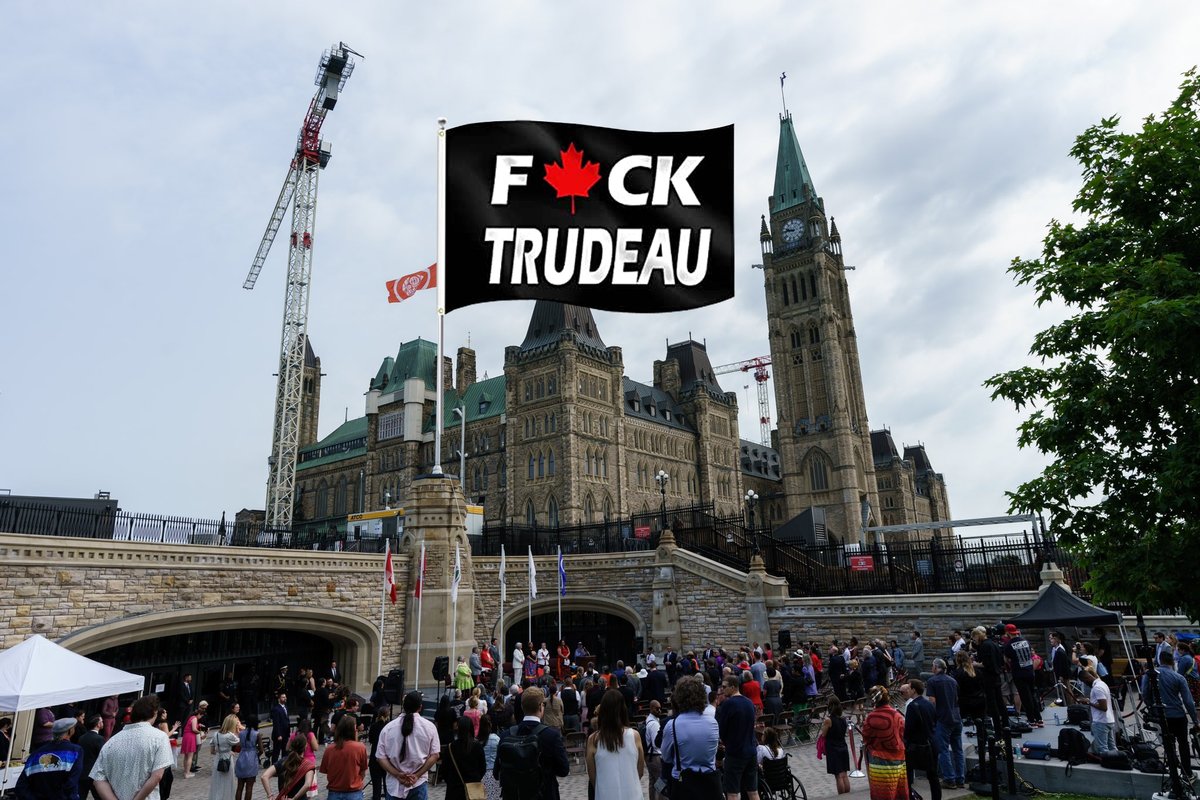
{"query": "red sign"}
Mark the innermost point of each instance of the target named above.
(862, 563)
(641, 532)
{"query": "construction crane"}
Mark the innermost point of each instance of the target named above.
(300, 191)
(761, 376)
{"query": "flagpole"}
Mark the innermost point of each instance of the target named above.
(441, 290)
(503, 597)
(529, 601)
(560, 594)
(454, 602)
(383, 603)
(420, 608)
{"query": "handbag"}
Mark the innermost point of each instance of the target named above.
(223, 764)
(820, 747)
(474, 790)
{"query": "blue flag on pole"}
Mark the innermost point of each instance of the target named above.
(562, 575)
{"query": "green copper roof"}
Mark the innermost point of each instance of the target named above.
(483, 399)
(415, 359)
(348, 441)
(793, 184)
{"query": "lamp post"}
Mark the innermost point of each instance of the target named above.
(661, 479)
(461, 413)
(751, 502)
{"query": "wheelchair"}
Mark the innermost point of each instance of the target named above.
(776, 781)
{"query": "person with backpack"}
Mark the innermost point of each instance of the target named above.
(531, 756)
(1019, 655)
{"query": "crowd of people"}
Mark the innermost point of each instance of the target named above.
(700, 719)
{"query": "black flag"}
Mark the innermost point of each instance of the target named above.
(598, 217)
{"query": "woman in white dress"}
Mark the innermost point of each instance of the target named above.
(223, 747)
(615, 761)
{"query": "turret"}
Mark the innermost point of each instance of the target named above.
(764, 237)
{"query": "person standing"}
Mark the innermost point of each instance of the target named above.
(570, 703)
(475, 662)
(463, 680)
(53, 769)
(463, 761)
(345, 762)
(1060, 663)
(837, 670)
(920, 721)
(991, 660)
(942, 691)
(408, 748)
(224, 782)
(518, 664)
(836, 751)
(735, 720)
(772, 690)
(916, 654)
(187, 697)
(132, 762)
(91, 742)
(1019, 655)
(883, 739)
(281, 726)
(245, 768)
(655, 686)
(555, 710)
(296, 774)
(108, 713)
(191, 738)
(689, 744)
(614, 756)
(1100, 702)
(552, 753)
(651, 745)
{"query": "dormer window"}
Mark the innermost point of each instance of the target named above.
(667, 414)
(651, 409)
(637, 404)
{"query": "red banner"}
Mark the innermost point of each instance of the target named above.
(641, 532)
(862, 563)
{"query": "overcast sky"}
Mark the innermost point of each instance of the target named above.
(146, 144)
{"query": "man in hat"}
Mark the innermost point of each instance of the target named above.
(1019, 655)
(52, 771)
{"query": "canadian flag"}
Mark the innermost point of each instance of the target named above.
(389, 576)
(405, 287)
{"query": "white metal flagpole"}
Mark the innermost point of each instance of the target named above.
(532, 594)
(387, 558)
(503, 599)
(420, 607)
(560, 593)
(454, 601)
(441, 291)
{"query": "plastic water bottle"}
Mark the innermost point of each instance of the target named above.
(1057, 720)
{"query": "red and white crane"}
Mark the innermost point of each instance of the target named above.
(300, 191)
(759, 367)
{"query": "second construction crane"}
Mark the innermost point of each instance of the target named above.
(300, 191)
(759, 367)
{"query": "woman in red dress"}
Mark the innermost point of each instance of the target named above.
(564, 656)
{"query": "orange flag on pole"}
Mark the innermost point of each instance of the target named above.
(405, 287)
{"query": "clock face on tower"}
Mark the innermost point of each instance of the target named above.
(793, 230)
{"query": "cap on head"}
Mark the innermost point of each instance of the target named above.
(63, 725)
(1011, 629)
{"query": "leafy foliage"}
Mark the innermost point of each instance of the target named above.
(1115, 400)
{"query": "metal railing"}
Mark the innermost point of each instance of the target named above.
(935, 566)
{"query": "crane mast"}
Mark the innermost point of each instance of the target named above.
(761, 376)
(300, 191)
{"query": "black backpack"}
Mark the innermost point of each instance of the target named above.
(1072, 746)
(1115, 759)
(520, 760)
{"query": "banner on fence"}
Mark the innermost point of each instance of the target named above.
(862, 563)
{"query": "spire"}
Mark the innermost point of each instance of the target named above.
(551, 319)
(793, 185)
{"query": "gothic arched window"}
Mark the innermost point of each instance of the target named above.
(531, 466)
(818, 474)
(530, 514)
(552, 512)
(550, 464)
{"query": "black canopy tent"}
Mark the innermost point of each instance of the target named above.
(1057, 606)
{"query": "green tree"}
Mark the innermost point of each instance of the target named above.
(1115, 398)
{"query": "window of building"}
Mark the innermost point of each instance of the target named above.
(391, 425)
(550, 464)
(785, 293)
(540, 387)
(531, 466)
(502, 473)
(541, 470)
(339, 500)
(528, 390)
(552, 512)
(552, 384)
(812, 283)
(588, 512)
(796, 340)
(530, 514)
(818, 474)
(814, 335)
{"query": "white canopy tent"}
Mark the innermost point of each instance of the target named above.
(39, 673)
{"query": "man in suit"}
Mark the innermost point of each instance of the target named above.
(187, 698)
(1060, 664)
(920, 721)
(281, 726)
(553, 753)
(334, 673)
(91, 742)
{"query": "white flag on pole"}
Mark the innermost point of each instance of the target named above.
(503, 580)
(532, 577)
(457, 574)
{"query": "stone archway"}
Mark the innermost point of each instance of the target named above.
(356, 642)
(519, 612)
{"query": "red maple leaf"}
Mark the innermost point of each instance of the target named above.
(574, 178)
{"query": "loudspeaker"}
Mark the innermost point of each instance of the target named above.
(785, 640)
(393, 687)
(441, 668)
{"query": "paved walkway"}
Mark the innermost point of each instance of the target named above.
(803, 760)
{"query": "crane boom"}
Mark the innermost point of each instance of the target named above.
(300, 192)
(761, 376)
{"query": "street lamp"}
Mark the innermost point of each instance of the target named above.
(751, 502)
(661, 479)
(461, 413)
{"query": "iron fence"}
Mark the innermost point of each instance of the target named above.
(936, 566)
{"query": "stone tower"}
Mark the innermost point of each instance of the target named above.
(310, 396)
(823, 437)
(564, 396)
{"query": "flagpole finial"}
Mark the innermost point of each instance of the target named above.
(782, 96)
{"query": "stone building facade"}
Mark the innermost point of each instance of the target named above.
(562, 437)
